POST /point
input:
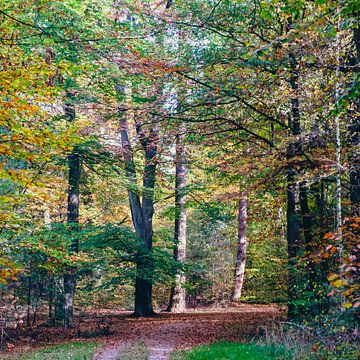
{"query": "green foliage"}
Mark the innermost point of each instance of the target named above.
(232, 72)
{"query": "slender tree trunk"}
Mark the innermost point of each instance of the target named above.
(177, 301)
(321, 269)
(72, 219)
(306, 216)
(311, 270)
(59, 300)
(51, 281)
(354, 130)
(293, 226)
(338, 217)
(29, 298)
(241, 249)
(51, 301)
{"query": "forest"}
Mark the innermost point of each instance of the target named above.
(179, 179)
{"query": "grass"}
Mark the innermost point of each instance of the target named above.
(233, 351)
(76, 350)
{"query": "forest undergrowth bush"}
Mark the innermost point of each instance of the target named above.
(319, 339)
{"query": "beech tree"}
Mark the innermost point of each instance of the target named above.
(72, 220)
(265, 94)
(177, 302)
(142, 211)
(241, 247)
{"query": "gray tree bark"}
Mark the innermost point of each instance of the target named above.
(177, 303)
(241, 248)
(72, 219)
(354, 130)
(293, 220)
(141, 213)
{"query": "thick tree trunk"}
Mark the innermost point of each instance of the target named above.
(143, 284)
(241, 249)
(293, 225)
(177, 303)
(72, 219)
(69, 294)
(142, 215)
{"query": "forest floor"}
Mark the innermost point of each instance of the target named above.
(118, 330)
(167, 332)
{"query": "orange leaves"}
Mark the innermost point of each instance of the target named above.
(344, 282)
(8, 269)
(7, 274)
(329, 235)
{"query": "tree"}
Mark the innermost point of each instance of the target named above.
(241, 247)
(141, 211)
(177, 301)
(354, 126)
(72, 220)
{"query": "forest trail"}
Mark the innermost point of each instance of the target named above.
(167, 332)
(157, 353)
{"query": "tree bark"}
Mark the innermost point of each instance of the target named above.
(293, 226)
(72, 219)
(354, 130)
(177, 303)
(51, 301)
(241, 249)
(312, 277)
(142, 215)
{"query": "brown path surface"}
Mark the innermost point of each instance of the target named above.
(165, 332)
(157, 353)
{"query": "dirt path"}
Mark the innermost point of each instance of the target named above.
(158, 353)
(166, 332)
(111, 352)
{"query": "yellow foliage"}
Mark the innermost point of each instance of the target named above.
(339, 283)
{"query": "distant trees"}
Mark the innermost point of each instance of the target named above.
(285, 87)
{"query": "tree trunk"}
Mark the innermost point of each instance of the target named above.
(142, 215)
(322, 268)
(314, 283)
(354, 130)
(59, 300)
(241, 250)
(51, 301)
(306, 216)
(72, 219)
(69, 294)
(293, 226)
(29, 298)
(177, 303)
(143, 284)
